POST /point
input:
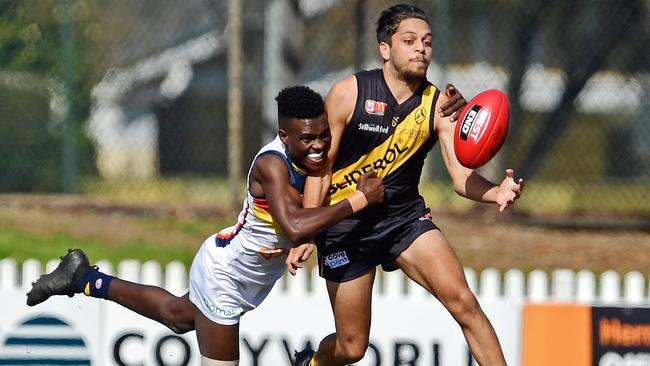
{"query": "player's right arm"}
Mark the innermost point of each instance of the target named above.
(297, 223)
(467, 182)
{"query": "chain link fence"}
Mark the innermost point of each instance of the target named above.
(129, 100)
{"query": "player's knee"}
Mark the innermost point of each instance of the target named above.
(178, 324)
(462, 304)
(177, 318)
(179, 327)
(354, 348)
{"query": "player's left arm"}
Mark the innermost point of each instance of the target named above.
(467, 182)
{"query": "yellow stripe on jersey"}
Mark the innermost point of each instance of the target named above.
(386, 158)
(298, 169)
(262, 212)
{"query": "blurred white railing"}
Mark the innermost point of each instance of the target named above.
(562, 285)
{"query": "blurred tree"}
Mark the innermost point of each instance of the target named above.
(30, 43)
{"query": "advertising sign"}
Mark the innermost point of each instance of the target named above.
(413, 330)
(621, 336)
(581, 335)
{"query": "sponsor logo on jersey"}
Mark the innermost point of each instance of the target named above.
(337, 259)
(420, 115)
(375, 107)
(226, 313)
(395, 121)
(371, 127)
(352, 178)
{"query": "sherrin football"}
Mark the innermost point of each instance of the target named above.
(482, 128)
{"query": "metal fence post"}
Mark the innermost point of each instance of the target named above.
(235, 143)
(68, 140)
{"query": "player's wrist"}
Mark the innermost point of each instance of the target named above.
(358, 201)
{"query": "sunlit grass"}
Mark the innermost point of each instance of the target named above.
(539, 196)
(21, 246)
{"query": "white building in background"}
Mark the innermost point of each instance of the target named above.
(125, 127)
(126, 140)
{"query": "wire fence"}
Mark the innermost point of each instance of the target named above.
(131, 99)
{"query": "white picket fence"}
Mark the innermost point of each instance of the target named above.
(562, 285)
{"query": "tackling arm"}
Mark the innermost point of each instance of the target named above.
(297, 223)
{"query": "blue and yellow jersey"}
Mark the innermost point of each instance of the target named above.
(255, 226)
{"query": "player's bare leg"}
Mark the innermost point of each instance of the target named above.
(75, 275)
(351, 303)
(176, 313)
(216, 341)
(431, 262)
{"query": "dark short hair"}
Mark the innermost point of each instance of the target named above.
(298, 102)
(390, 19)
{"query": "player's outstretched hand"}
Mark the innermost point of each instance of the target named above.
(509, 190)
(454, 105)
(372, 187)
(298, 255)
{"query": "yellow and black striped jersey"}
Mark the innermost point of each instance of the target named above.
(391, 138)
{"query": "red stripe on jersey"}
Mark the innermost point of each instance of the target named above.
(261, 203)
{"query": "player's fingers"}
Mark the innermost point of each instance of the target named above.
(521, 184)
(451, 105)
(447, 107)
(450, 90)
(453, 108)
(306, 254)
(509, 173)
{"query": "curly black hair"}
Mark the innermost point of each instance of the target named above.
(298, 102)
(390, 19)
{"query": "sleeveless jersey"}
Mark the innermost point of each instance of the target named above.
(256, 242)
(391, 138)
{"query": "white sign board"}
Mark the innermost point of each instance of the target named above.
(413, 330)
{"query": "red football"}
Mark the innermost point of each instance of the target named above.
(482, 128)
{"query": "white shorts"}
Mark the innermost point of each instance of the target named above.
(218, 288)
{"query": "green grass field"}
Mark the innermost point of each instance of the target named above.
(46, 233)
(168, 220)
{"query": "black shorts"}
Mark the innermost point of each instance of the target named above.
(344, 261)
